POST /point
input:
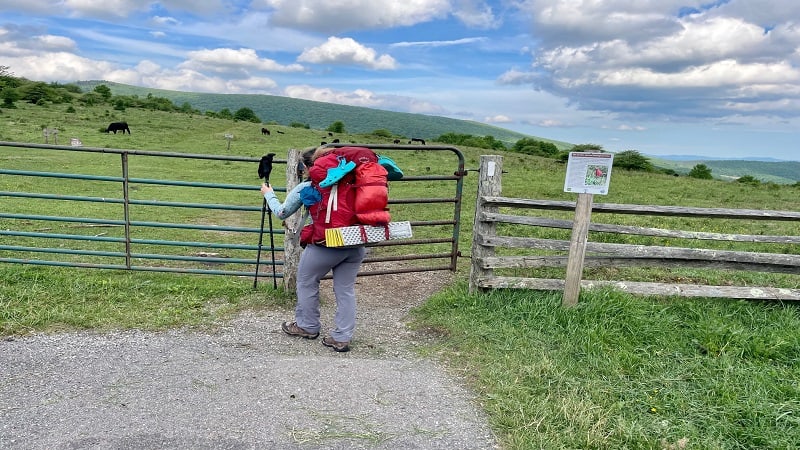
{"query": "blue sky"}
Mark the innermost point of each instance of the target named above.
(663, 77)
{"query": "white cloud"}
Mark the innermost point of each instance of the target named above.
(365, 98)
(106, 8)
(643, 58)
(727, 73)
(581, 21)
(515, 76)
(226, 60)
(337, 16)
(53, 43)
(360, 97)
(500, 118)
(476, 14)
(346, 51)
(464, 41)
(550, 123)
(165, 21)
(625, 127)
(57, 66)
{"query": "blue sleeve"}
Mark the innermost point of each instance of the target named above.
(290, 206)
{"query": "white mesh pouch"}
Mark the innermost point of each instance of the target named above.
(362, 234)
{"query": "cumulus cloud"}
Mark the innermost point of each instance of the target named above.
(359, 97)
(363, 97)
(336, 17)
(709, 59)
(225, 60)
(346, 51)
(150, 74)
(106, 8)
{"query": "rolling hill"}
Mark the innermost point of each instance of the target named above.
(320, 115)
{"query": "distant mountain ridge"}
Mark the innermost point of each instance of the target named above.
(765, 169)
(320, 115)
(710, 158)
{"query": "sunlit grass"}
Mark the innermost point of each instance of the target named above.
(625, 372)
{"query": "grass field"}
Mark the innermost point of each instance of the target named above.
(615, 372)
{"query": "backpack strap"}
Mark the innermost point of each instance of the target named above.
(333, 202)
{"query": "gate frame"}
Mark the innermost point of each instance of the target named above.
(291, 254)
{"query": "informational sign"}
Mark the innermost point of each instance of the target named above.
(588, 172)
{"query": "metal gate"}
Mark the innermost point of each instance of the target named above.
(160, 211)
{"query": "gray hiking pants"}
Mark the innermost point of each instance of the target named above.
(315, 262)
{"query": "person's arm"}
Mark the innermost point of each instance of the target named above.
(288, 207)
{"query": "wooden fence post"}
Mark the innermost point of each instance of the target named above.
(489, 184)
(291, 240)
(577, 249)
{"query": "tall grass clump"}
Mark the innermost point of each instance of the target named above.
(619, 371)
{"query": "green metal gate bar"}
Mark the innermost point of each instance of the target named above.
(17, 222)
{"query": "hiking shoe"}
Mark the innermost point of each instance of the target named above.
(336, 345)
(293, 330)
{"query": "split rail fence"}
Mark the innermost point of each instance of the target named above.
(701, 251)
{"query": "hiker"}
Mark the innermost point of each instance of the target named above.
(316, 261)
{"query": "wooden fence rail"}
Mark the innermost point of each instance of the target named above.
(486, 242)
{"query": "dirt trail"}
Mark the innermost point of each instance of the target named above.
(244, 385)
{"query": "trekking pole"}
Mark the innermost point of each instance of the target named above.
(264, 169)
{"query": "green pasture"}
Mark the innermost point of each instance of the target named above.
(617, 371)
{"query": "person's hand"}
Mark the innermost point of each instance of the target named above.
(265, 188)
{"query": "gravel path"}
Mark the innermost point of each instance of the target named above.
(242, 385)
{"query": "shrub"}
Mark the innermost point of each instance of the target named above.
(748, 179)
(336, 127)
(632, 160)
(701, 171)
(530, 146)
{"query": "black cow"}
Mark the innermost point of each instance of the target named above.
(118, 126)
(265, 132)
(421, 141)
(397, 141)
(335, 141)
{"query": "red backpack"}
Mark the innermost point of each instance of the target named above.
(360, 197)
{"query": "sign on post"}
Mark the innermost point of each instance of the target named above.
(588, 173)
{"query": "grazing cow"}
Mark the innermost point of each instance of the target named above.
(335, 141)
(330, 134)
(323, 143)
(118, 126)
(265, 132)
(421, 141)
(397, 141)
